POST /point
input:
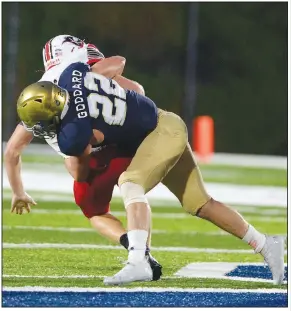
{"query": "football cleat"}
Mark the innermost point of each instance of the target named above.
(131, 273)
(155, 266)
(273, 253)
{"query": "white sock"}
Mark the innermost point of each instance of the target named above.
(255, 239)
(137, 240)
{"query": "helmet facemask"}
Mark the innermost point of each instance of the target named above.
(94, 55)
(45, 129)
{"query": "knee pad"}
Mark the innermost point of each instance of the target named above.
(132, 193)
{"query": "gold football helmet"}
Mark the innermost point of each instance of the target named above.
(39, 107)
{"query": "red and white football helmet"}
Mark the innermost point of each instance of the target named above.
(69, 49)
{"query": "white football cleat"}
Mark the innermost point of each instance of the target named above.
(130, 273)
(273, 253)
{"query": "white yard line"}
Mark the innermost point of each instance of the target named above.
(116, 247)
(155, 215)
(278, 211)
(55, 197)
(67, 229)
(140, 289)
(47, 228)
(262, 211)
(91, 230)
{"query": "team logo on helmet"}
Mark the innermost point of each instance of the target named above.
(73, 40)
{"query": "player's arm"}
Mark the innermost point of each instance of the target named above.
(78, 167)
(12, 157)
(12, 161)
(75, 140)
(110, 66)
(129, 84)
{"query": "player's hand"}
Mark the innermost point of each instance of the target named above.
(21, 203)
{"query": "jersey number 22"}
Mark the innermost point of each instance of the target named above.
(109, 88)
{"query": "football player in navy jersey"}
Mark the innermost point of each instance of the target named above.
(106, 163)
(87, 107)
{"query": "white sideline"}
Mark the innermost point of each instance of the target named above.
(140, 289)
(16, 276)
(116, 247)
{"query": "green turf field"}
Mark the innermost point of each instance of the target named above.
(69, 259)
(63, 224)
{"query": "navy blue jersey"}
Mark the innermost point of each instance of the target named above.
(124, 117)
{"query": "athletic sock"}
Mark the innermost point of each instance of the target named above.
(124, 240)
(255, 239)
(137, 245)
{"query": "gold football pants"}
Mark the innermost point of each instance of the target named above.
(166, 156)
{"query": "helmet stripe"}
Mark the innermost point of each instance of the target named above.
(51, 50)
(48, 50)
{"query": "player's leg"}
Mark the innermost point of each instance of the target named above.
(108, 226)
(94, 200)
(185, 181)
(270, 247)
(156, 155)
(111, 227)
(101, 194)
